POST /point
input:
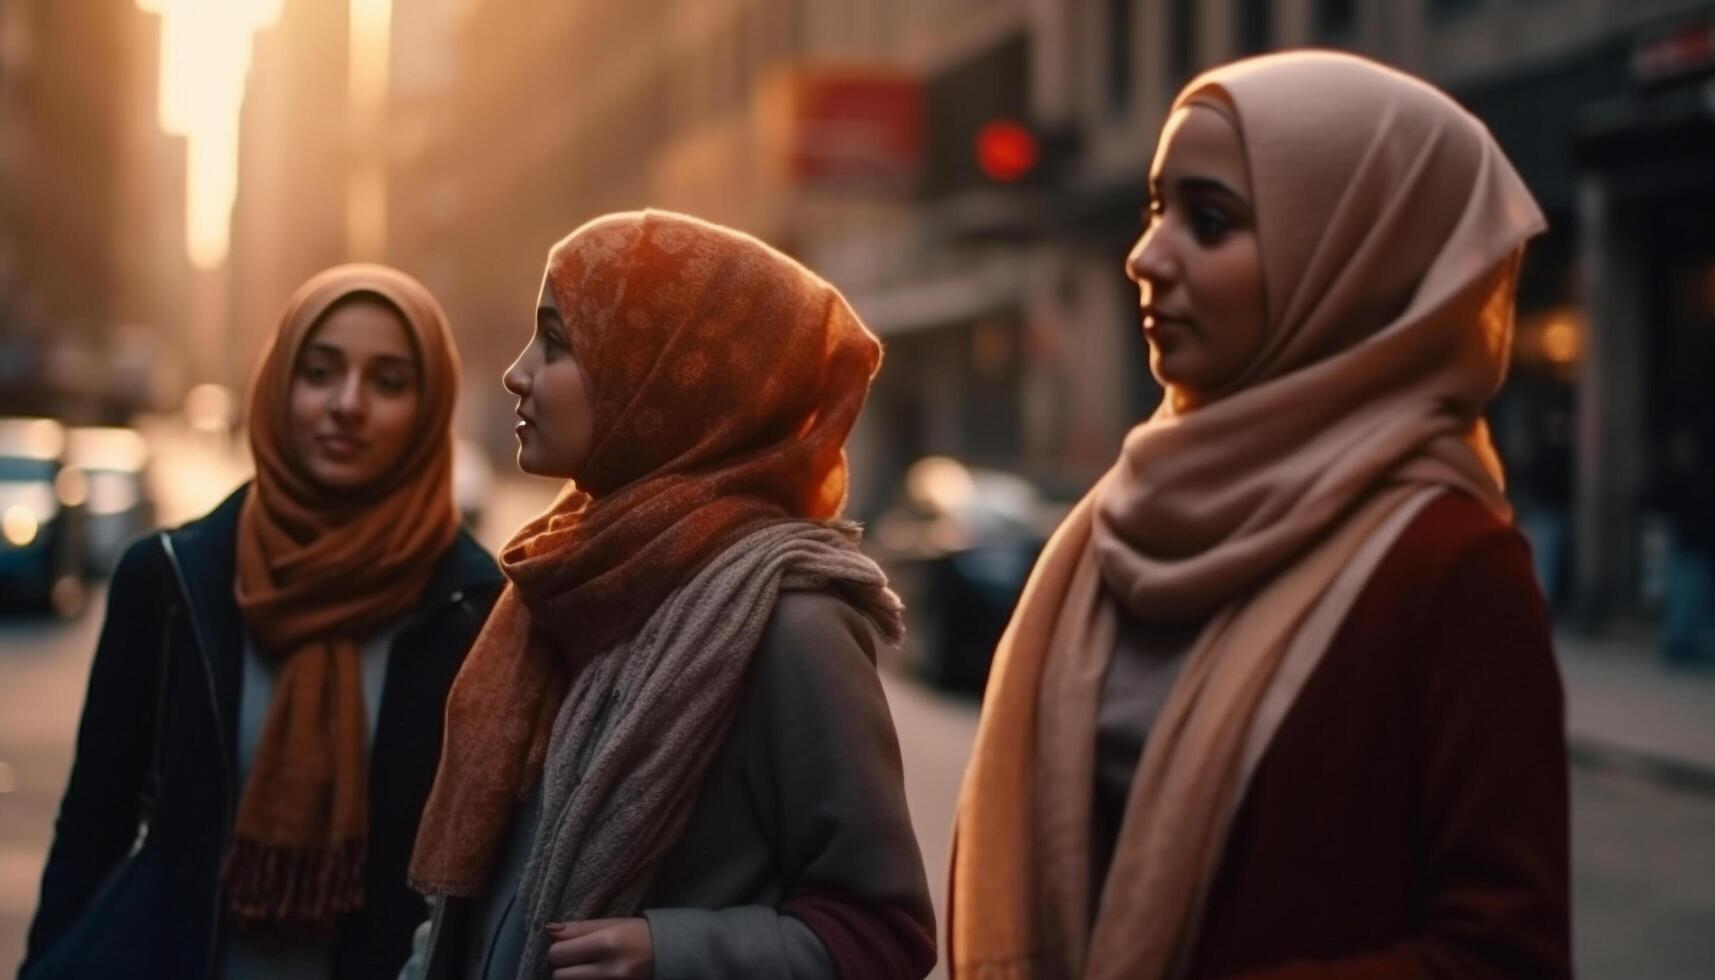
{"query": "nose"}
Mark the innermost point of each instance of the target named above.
(1149, 264)
(517, 377)
(349, 401)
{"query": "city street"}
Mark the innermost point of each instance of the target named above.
(992, 255)
(1644, 852)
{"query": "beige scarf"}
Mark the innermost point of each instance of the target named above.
(636, 734)
(1390, 227)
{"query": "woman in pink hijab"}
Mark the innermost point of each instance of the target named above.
(1279, 699)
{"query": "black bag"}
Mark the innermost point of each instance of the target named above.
(119, 934)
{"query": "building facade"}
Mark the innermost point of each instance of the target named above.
(289, 220)
(854, 135)
(91, 199)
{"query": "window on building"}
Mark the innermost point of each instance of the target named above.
(1336, 19)
(1182, 39)
(1119, 28)
(1256, 26)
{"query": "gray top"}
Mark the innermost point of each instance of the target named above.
(807, 789)
(1146, 662)
(241, 958)
(497, 919)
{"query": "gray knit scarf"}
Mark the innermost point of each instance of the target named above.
(641, 725)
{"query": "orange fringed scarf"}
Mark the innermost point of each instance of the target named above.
(317, 569)
(724, 378)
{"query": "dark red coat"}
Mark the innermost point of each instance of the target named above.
(1410, 817)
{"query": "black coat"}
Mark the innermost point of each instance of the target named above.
(175, 605)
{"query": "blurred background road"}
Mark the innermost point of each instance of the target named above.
(1644, 854)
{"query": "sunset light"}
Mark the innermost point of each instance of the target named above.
(366, 190)
(205, 55)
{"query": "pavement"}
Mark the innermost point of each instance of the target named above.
(1626, 710)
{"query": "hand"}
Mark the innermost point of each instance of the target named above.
(601, 949)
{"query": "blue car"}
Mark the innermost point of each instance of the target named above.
(41, 510)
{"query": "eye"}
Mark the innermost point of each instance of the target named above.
(1209, 224)
(553, 344)
(393, 382)
(315, 372)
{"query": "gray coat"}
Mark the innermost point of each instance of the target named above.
(808, 789)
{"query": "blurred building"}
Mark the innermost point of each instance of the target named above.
(803, 121)
(145, 347)
(972, 174)
(295, 153)
(1607, 109)
(86, 199)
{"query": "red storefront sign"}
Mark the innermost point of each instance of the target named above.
(1685, 49)
(848, 127)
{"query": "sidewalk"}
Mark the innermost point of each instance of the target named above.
(1626, 710)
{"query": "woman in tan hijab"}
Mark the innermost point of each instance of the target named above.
(669, 754)
(1279, 698)
(265, 706)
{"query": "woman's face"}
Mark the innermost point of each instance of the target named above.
(355, 391)
(556, 422)
(1198, 267)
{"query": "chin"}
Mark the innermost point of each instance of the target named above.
(1162, 367)
(528, 464)
(340, 479)
(1183, 369)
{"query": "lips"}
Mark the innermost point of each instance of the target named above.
(1164, 329)
(341, 447)
(1154, 315)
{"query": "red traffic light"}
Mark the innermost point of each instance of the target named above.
(1006, 150)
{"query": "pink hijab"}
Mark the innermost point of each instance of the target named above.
(1390, 227)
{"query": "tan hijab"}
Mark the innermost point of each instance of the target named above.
(1390, 227)
(317, 570)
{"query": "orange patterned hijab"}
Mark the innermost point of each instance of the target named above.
(724, 378)
(318, 569)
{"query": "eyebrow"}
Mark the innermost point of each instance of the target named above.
(332, 351)
(1209, 185)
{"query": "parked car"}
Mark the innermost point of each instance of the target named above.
(41, 509)
(119, 507)
(959, 543)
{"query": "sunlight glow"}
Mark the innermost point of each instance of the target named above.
(205, 56)
(366, 187)
(1562, 340)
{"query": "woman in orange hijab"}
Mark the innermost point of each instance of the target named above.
(669, 754)
(266, 701)
(1279, 700)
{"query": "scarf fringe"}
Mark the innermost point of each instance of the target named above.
(293, 889)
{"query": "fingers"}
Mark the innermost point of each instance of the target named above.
(599, 949)
(572, 930)
(580, 943)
